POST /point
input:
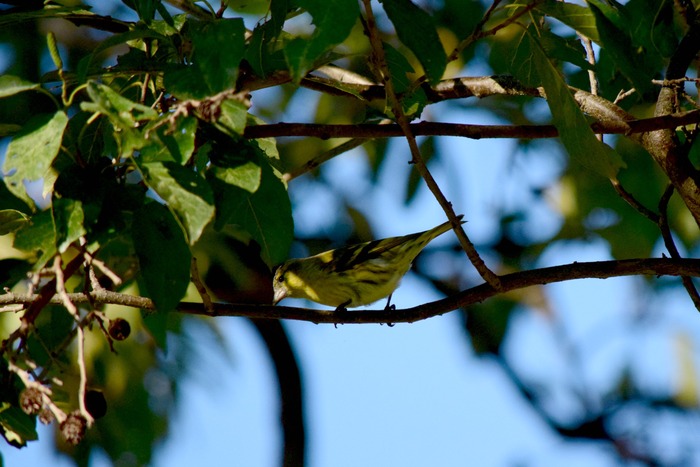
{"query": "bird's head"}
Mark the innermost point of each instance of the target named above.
(287, 281)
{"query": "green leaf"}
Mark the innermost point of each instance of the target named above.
(635, 62)
(140, 32)
(12, 220)
(12, 271)
(17, 426)
(9, 129)
(157, 324)
(218, 48)
(38, 237)
(333, 22)
(68, 218)
(416, 30)
(11, 85)
(122, 112)
(399, 67)
(246, 176)
(575, 16)
(566, 50)
(171, 143)
(233, 118)
(574, 130)
(31, 152)
(164, 257)
(487, 324)
(265, 214)
(187, 194)
(49, 11)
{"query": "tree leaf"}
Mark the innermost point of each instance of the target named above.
(17, 426)
(171, 144)
(233, 118)
(38, 237)
(32, 151)
(575, 16)
(11, 85)
(163, 254)
(218, 48)
(122, 112)
(186, 194)
(265, 214)
(633, 61)
(574, 130)
(12, 220)
(333, 22)
(68, 219)
(246, 176)
(140, 32)
(416, 30)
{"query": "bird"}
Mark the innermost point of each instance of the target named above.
(354, 275)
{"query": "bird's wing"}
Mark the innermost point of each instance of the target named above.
(345, 259)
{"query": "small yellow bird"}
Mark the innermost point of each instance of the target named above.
(355, 275)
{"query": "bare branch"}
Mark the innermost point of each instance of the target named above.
(367, 130)
(509, 282)
(671, 245)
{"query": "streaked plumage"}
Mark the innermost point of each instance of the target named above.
(355, 275)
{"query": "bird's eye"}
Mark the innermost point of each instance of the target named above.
(280, 278)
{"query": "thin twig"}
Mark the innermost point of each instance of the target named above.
(73, 310)
(199, 285)
(324, 157)
(671, 244)
(46, 393)
(632, 201)
(623, 95)
(592, 80)
(417, 159)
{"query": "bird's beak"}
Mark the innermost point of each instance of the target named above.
(280, 293)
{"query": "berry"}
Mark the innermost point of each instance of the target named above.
(95, 403)
(31, 400)
(45, 416)
(119, 329)
(73, 428)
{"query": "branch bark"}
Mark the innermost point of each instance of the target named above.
(367, 130)
(663, 145)
(471, 296)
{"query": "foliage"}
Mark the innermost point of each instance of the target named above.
(144, 148)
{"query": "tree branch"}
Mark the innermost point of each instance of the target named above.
(367, 130)
(465, 298)
(663, 145)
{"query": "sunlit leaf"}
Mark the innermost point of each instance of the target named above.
(186, 194)
(265, 214)
(11, 85)
(174, 143)
(31, 152)
(575, 16)
(124, 113)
